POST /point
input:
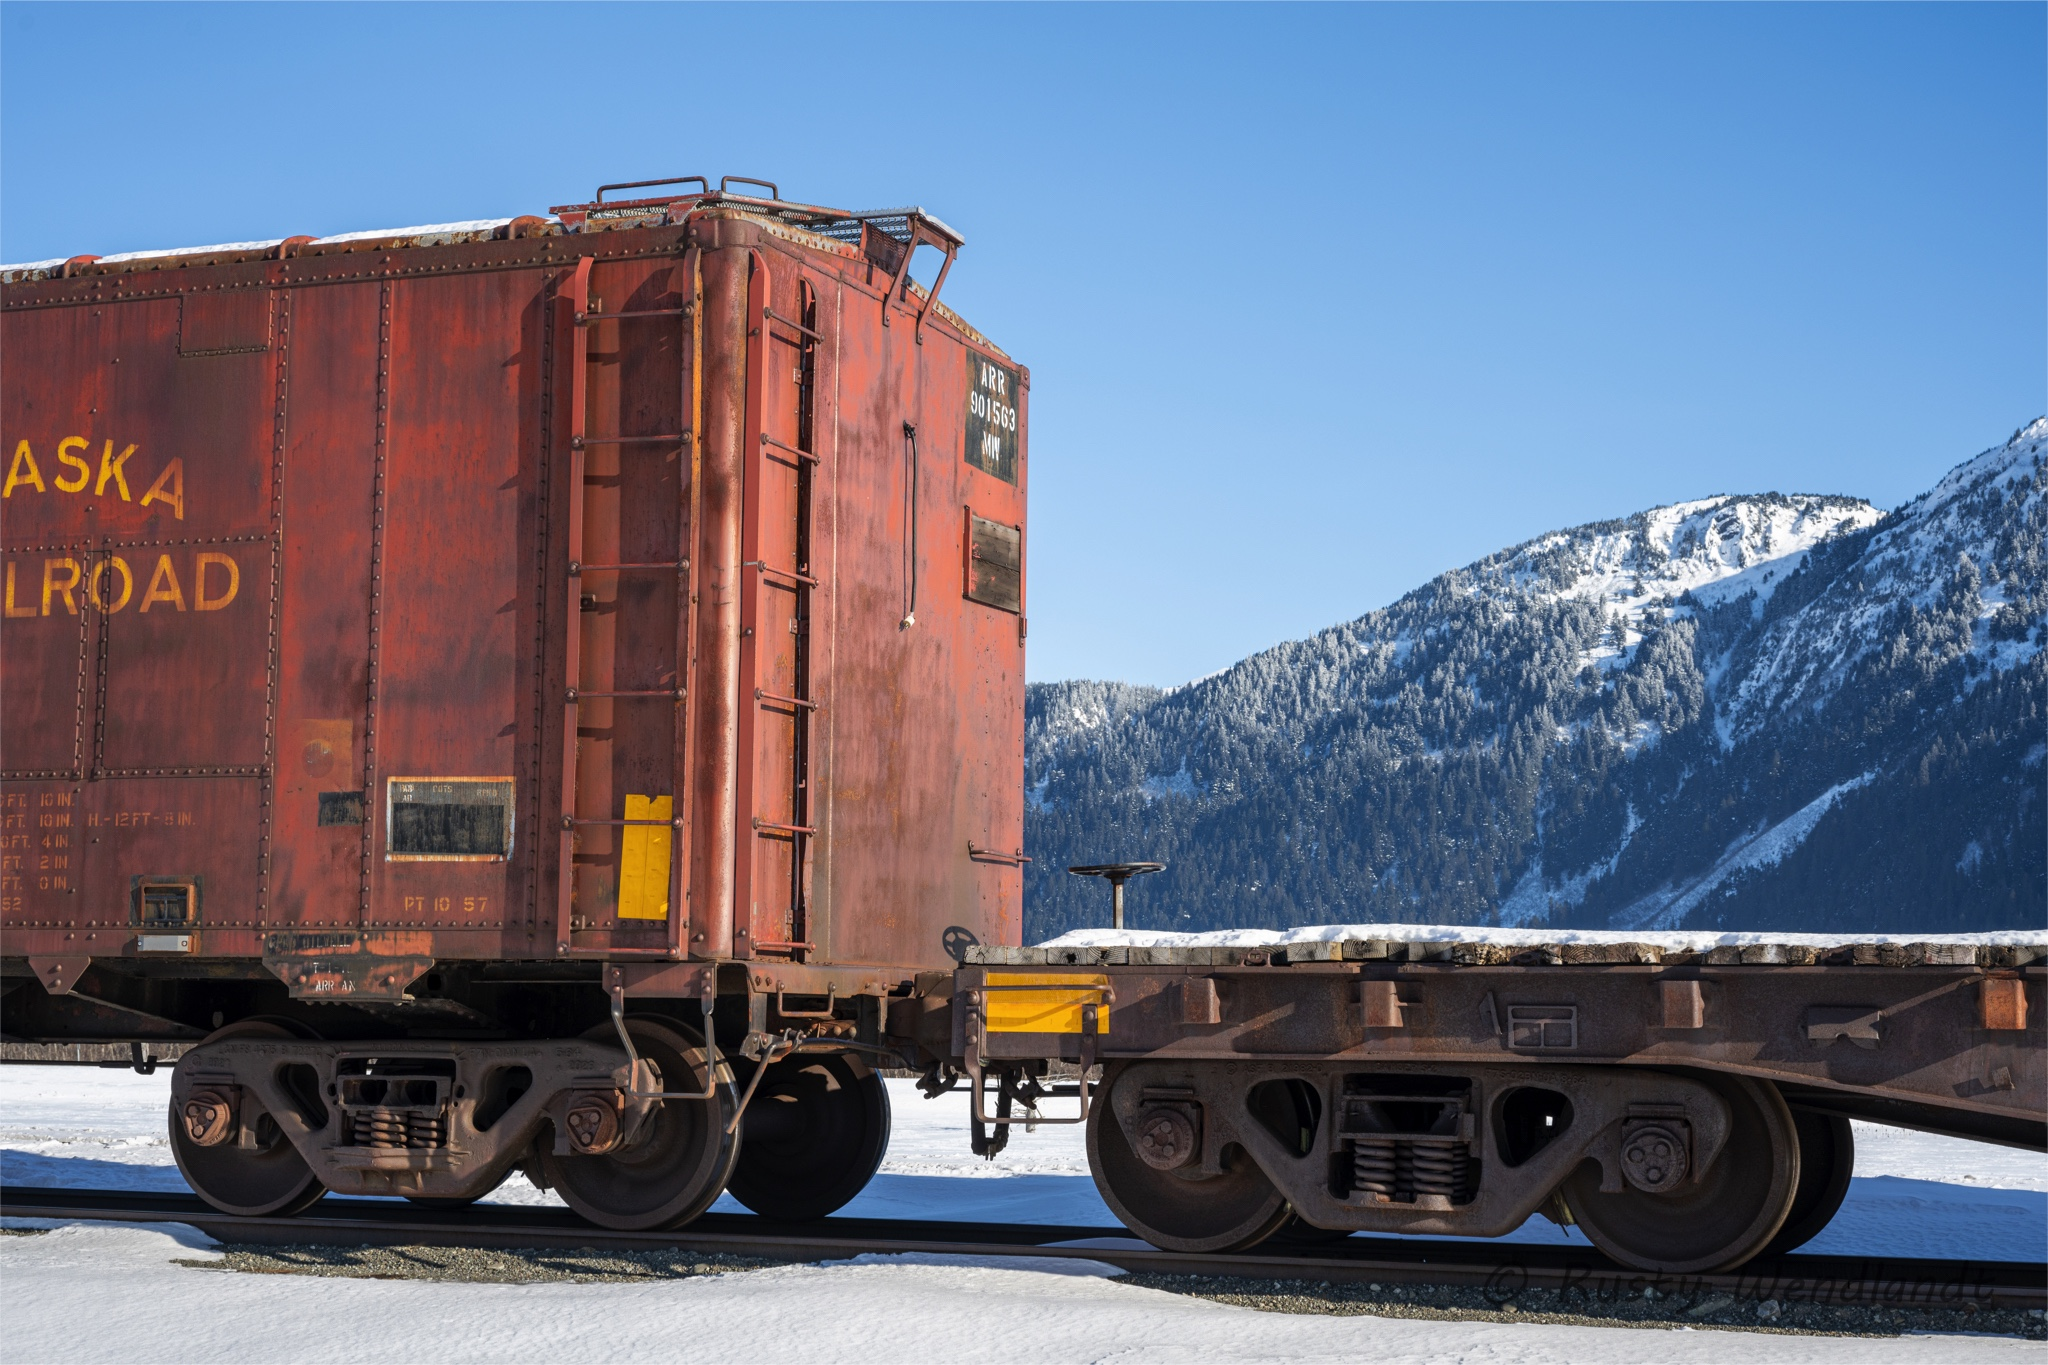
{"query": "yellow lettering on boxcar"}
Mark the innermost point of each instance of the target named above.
(95, 590)
(110, 468)
(200, 601)
(52, 587)
(65, 457)
(23, 470)
(11, 609)
(163, 586)
(174, 494)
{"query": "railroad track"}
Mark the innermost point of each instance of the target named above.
(1504, 1268)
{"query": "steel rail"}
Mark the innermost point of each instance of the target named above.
(1506, 1268)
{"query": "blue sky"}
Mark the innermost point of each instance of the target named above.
(1318, 301)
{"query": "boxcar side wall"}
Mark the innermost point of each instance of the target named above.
(291, 618)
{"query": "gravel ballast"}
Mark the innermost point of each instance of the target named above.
(478, 1265)
(1443, 1302)
(1599, 1309)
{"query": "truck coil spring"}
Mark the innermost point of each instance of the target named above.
(1399, 1169)
(396, 1128)
(1437, 1168)
(1374, 1167)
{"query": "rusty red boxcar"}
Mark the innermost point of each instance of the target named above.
(428, 635)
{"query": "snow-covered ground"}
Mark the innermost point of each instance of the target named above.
(113, 1293)
(1913, 1195)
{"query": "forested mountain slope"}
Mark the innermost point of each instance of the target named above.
(1782, 712)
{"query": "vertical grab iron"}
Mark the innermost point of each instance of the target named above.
(910, 476)
(578, 302)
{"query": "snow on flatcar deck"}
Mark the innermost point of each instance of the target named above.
(1482, 944)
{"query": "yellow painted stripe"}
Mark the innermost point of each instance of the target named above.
(1044, 1011)
(644, 859)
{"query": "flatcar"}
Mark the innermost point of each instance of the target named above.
(1684, 1099)
(546, 695)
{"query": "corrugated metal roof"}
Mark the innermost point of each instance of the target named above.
(431, 234)
(839, 227)
(841, 231)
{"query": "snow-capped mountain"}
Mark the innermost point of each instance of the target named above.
(1785, 712)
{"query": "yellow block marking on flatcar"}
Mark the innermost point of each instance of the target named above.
(644, 859)
(1042, 1010)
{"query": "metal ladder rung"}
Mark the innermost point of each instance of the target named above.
(577, 694)
(583, 319)
(770, 571)
(774, 700)
(801, 455)
(569, 822)
(580, 442)
(679, 565)
(769, 829)
(792, 323)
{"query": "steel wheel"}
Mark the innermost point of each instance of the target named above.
(268, 1179)
(1227, 1212)
(679, 1161)
(814, 1134)
(1716, 1221)
(1827, 1158)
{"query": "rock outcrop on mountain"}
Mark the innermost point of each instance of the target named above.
(1783, 712)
